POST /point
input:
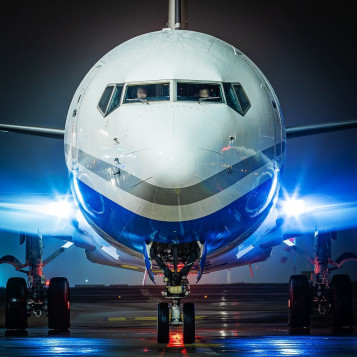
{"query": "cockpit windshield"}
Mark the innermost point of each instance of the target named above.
(145, 93)
(199, 92)
(231, 94)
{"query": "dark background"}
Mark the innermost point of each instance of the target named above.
(307, 50)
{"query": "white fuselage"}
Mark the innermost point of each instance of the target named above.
(169, 169)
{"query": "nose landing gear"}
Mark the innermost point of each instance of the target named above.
(176, 286)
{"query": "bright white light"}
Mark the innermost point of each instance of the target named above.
(293, 207)
(59, 209)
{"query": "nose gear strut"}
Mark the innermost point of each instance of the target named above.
(168, 258)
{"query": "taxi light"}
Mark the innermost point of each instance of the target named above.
(293, 207)
(60, 209)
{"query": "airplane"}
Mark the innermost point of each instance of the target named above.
(175, 168)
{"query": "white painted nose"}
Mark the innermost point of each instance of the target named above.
(174, 163)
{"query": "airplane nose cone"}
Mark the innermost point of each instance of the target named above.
(174, 164)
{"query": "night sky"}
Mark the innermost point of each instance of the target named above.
(307, 50)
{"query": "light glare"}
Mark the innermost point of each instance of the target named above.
(60, 209)
(293, 207)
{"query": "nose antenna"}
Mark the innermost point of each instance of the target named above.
(177, 19)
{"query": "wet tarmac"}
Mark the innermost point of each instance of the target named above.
(232, 320)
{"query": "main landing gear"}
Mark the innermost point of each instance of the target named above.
(168, 256)
(322, 294)
(34, 296)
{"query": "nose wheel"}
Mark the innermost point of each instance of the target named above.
(163, 322)
(163, 326)
(189, 326)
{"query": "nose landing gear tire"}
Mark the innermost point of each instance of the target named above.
(58, 305)
(163, 328)
(299, 300)
(189, 328)
(16, 304)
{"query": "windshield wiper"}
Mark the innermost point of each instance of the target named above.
(200, 100)
(142, 100)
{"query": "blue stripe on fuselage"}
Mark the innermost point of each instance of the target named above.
(218, 229)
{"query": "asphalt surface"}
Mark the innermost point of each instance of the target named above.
(235, 320)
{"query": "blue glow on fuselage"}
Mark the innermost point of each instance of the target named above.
(218, 230)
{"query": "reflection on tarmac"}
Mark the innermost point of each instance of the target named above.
(236, 320)
(241, 346)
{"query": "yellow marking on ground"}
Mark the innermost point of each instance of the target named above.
(116, 318)
(142, 318)
(148, 324)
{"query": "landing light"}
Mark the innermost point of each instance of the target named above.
(293, 207)
(60, 209)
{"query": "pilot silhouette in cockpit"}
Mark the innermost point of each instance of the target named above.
(141, 93)
(203, 93)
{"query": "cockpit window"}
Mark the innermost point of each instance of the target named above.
(199, 92)
(242, 97)
(104, 100)
(232, 100)
(110, 99)
(236, 98)
(145, 93)
(115, 102)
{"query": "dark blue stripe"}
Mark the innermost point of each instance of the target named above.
(218, 229)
